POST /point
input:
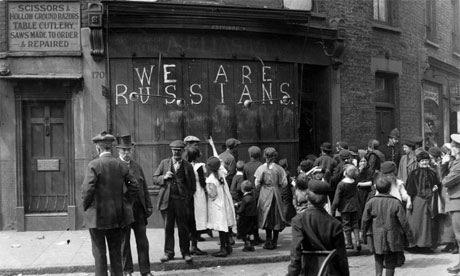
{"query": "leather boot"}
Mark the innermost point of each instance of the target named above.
(454, 269)
(248, 247)
(222, 253)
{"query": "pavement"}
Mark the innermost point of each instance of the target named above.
(53, 252)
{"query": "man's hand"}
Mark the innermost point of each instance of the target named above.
(168, 175)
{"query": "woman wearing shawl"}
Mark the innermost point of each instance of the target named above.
(422, 186)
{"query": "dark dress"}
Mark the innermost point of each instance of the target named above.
(363, 192)
(424, 206)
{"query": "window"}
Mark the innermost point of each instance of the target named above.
(385, 105)
(456, 27)
(431, 20)
(386, 12)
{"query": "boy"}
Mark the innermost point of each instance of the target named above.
(386, 215)
(247, 211)
(315, 230)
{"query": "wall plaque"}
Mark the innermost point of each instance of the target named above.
(44, 26)
(47, 165)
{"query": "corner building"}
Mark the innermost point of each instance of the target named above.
(162, 70)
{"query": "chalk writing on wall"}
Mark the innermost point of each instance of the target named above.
(44, 26)
(149, 86)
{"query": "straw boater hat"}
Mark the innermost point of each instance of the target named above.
(191, 139)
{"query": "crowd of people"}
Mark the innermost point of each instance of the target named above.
(397, 196)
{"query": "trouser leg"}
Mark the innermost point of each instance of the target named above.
(169, 220)
(142, 245)
(99, 251)
(127, 258)
(378, 264)
(114, 241)
(183, 221)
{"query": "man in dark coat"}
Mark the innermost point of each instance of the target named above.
(315, 230)
(142, 209)
(326, 161)
(106, 192)
(452, 183)
(228, 157)
(176, 179)
(392, 149)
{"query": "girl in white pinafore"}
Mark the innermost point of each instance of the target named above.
(221, 212)
(200, 202)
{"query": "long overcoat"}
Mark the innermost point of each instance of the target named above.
(390, 230)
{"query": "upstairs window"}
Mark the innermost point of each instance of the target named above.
(431, 20)
(386, 12)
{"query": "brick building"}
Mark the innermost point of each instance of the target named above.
(348, 70)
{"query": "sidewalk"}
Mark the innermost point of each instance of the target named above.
(48, 252)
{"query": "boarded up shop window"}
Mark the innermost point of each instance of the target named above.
(214, 92)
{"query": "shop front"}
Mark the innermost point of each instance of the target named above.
(179, 70)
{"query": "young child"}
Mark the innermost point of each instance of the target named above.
(386, 216)
(247, 211)
(314, 229)
(300, 195)
(347, 202)
(235, 188)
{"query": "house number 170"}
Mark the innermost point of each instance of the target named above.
(98, 75)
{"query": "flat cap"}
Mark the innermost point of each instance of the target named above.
(435, 152)
(254, 151)
(232, 142)
(177, 144)
(104, 137)
(326, 146)
(388, 167)
(319, 187)
(191, 138)
(417, 139)
(342, 144)
(213, 163)
(455, 139)
(344, 154)
(408, 142)
(422, 155)
(353, 150)
(394, 133)
(306, 165)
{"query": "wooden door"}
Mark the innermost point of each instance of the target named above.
(45, 157)
(385, 123)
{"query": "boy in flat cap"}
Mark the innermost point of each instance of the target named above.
(315, 230)
(176, 179)
(105, 204)
(385, 217)
(142, 209)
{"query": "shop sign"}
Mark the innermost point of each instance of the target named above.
(431, 93)
(44, 26)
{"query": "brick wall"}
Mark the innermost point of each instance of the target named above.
(2, 27)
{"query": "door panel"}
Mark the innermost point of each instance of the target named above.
(45, 160)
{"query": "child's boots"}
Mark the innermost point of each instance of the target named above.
(248, 247)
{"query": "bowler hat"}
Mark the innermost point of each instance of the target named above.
(232, 142)
(326, 146)
(124, 142)
(394, 133)
(191, 139)
(319, 187)
(177, 144)
(388, 167)
(104, 137)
